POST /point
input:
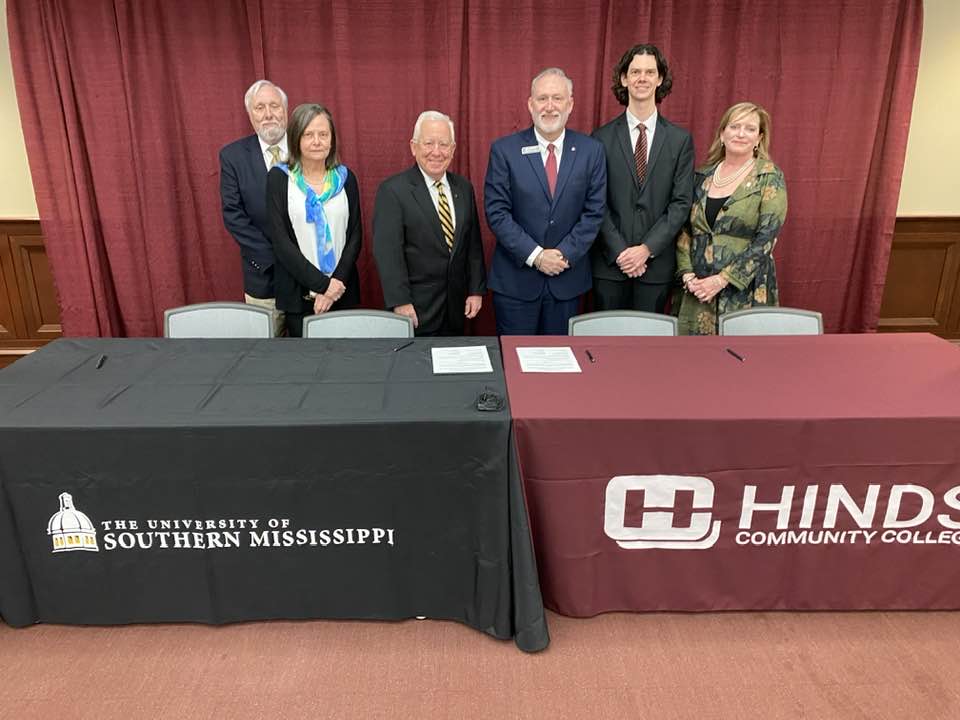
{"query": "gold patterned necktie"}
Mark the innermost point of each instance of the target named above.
(446, 222)
(274, 151)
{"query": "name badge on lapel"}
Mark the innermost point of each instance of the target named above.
(529, 149)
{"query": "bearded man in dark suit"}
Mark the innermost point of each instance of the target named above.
(243, 190)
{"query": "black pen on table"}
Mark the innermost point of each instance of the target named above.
(736, 355)
(590, 356)
(407, 344)
(100, 361)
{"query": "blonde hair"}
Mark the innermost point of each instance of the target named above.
(735, 112)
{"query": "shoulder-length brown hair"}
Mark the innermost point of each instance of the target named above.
(663, 70)
(302, 116)
(735, 112)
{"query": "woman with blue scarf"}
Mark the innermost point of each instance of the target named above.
(313, 203)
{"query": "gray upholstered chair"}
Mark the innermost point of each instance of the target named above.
(622, 322)
(772, 321)
(218, 320)
(357, 324)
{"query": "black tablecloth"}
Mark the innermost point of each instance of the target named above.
(228, 480)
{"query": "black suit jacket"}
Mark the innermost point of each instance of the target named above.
(652, 214)
(243, 184)
(412, 258)
(294, 275)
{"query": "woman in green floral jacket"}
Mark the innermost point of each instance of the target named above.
(725, 252)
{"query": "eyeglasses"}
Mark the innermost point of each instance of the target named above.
(442, 146)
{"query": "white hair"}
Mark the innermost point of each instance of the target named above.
(552, 71)
(257, 87)
(432, 115)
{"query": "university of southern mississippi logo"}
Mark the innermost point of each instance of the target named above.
(70, 529)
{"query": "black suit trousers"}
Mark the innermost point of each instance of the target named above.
(629, 294)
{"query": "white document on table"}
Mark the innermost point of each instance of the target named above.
(470, 359)
(547, 360)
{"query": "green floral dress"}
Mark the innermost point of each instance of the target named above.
(739, 246)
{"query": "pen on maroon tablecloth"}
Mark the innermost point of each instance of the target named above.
(590, 356)
(398, 348)
(738, 357)
(101, 361)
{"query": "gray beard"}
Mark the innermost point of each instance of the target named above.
(272, 136)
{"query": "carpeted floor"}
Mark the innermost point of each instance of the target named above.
(728, 665)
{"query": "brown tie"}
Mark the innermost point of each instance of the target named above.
(640, 153)
(446, 222)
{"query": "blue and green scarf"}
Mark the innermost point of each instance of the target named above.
(333, 183)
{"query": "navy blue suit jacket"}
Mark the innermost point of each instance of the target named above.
(243, 198)
(522, 215)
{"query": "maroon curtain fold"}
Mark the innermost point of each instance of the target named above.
(126, 103)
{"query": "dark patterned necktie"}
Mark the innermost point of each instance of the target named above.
(446, 222)
(640, 153)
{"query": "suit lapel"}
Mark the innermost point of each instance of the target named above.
(567, 164)
(256, 159)
(536, 161)
(459, 210)
(421, 195)
(698, 213)
(623, 140)
(659, 139)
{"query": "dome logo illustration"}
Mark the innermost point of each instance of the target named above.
(69, 529)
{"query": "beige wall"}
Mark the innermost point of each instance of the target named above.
(930, 184)
(929, 179)
(16, 189)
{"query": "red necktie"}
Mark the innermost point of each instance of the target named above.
(551, 168)
(640, 153)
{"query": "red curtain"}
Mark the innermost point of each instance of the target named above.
(125, 104)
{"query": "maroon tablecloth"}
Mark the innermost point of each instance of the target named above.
(816, 472)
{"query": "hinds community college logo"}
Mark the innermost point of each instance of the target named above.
(70, 529)
(656, 528)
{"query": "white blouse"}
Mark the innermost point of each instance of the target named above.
(337, 211)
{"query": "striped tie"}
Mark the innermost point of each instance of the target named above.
(444, 210)
(640, 153)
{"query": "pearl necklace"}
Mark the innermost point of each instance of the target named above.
(723, 182)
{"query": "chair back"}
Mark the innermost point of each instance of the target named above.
(218, 320)
(357, 324)
(772, 321)
(622, 322)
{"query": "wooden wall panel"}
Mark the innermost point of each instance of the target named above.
(11, 318)
(41, 312)
(29, 312)
(922, 292)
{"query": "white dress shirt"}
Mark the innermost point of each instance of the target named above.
(336, 209)
(650, 123)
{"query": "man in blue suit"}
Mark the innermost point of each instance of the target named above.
(243, 190)
(544, 200)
